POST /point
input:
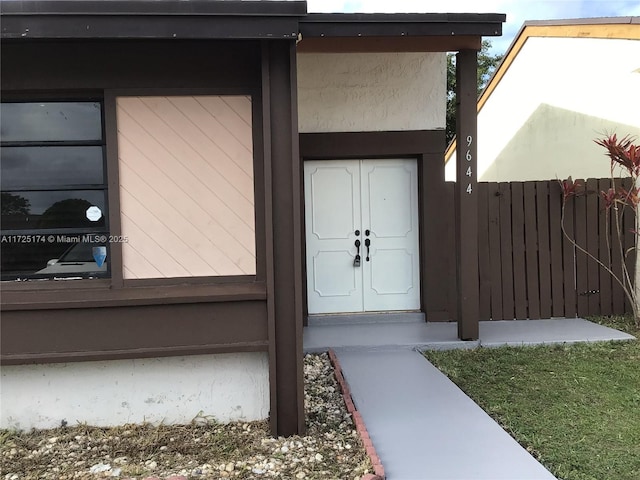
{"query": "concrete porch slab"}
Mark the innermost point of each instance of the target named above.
(443, 335)
(555, 330)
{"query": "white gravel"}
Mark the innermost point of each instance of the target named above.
(330, 450)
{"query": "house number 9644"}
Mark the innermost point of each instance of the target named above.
(469, 157)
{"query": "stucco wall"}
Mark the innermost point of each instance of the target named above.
(170, 390)
(354, 92)
(556, 97)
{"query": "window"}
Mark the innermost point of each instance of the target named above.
(54, 192)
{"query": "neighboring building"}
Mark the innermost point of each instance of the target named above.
(561, 84)
(158, 163)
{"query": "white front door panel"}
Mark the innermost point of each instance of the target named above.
(343, 197)
(389, 211)
(332, 210)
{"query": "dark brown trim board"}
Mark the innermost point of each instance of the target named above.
(466, 211)
(401, 24)
(427, 146)
(319, 146)
(113, 181)
(388, 44)
(101, 332)
(286, 232)
(132, 66)
(196, 19)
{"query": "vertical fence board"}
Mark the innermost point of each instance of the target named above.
(519, 265)
(555, 242)
(629, 242)
(593, 269)
(484, 265)
(582, 284)
(506, 244)
(569, 260)
(617, 254)
(544, 248)
(605, 243)
(495, 257)
(531, 250)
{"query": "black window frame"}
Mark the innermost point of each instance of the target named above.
(38, 233)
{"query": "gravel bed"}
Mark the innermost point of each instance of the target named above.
(202, 450)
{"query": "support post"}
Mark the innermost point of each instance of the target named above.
(466, 206)
(284, 232)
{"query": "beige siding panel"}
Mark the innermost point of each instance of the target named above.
(128, 273)
(196, 187)
(166, 250)
(186, 188)
(219, 247)
(175, 219)
(191, 129)
(164, 131)
(232, 137)
(232, 117)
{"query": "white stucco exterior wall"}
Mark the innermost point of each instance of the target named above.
(171, 390)
(557, 96)
(358, 92)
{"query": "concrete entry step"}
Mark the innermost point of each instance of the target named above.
(364, 318)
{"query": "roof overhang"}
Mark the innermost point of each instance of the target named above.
(397, 32)
(151, 19)
(245, 19)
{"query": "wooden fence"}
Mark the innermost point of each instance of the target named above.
(528, 269)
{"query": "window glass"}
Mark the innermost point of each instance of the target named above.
(46, 256)
(51, 166)
(51, 209)
(54, 221)
(51, 121)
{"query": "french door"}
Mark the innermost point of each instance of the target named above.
(361, 221)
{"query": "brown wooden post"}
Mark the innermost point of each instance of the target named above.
(284, 242)
(466, 216)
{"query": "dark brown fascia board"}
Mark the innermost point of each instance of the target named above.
(401, 24)
(271, 8)
(143, 19)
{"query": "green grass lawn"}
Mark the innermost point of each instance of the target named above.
(576, 407)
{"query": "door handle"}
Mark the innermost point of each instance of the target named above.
(356, 261)
(367, 243)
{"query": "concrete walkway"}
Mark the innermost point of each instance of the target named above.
(422, 425)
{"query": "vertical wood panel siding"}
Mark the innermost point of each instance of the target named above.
(186, 186)
(527, 269)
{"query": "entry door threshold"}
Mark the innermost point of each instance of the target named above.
(364, 318)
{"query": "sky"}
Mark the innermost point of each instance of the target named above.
(518, 11)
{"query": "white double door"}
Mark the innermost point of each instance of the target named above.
(373, 203)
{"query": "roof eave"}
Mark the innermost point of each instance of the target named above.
(149, 19)
(398, 24)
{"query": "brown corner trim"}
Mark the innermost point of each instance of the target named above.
(41, 358)
(319, 146)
